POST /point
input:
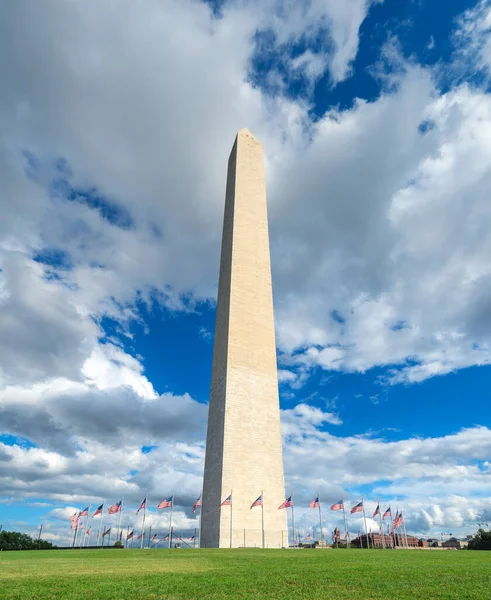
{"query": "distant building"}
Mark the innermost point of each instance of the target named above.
(375, 540)
(453, 542)
(422, 543)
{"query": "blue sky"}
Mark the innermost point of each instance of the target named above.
(375, 119)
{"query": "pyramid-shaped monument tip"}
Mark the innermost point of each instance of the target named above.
(245, 132)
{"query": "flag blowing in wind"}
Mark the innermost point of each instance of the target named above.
(258, 501)
(377, 511)
(286, 504)
(357, 508)
(196, 504)
(166, 503)
(337, 506)
(387, 513)
(115, 508)
(314, 503)
(142, 505)
(98, 511)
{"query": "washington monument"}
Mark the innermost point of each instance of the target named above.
(243, 447)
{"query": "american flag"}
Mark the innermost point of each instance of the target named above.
(130, 535)
(115, 508)
(357, 508)
(337, 506)
(154, 537)
(140, 536)
(191, 539)
(398, 521)
(84, 513)
(142, 505)
(166, 503)
(166, 538)
(196, 504)
(307, 537)
(258, 501)
(227, 501)
(87, 532)
(377, 511)
(74, 520)
(81, 526)
(98, 511)
(286, 504)
(106, 532)
(387, 513)
(314, 503)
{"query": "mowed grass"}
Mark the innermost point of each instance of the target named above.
(210, 574)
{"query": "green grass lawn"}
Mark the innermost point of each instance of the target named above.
(206, 574)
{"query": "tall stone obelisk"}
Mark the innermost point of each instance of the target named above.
(243, 446)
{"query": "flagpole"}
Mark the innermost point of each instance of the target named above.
(293, 525)
(231, 508)
(170, 522)
(100, 525)
(76, 528)
(149, 536)
(126, 540)
(200, 501)
(393, 530)
(345, 526)
(320, 518)
(365, 519)
(99, 532)
(119, 519)
(381, 527)
(87, 525)
(194, 545)
(81, 540)
(262, 515)
(143, 524)
(404, 530)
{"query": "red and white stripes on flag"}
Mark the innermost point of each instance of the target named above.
(196, 504)
(258, 501)
(398, 520)
(74, 519)
(314, 503)
(227, 501)
(286, 504)
(166, 503)
(142, 505)
(357, 508)
(115, 508)
(337, 505)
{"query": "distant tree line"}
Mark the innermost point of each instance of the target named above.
(481, 541)
(13, 540)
